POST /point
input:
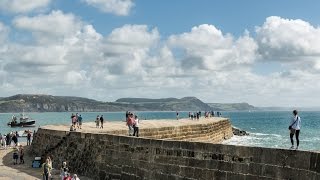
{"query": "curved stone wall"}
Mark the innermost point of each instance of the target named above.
(107, 156)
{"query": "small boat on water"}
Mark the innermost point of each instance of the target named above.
(24, 121)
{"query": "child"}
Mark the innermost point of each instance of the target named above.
(15, 157)
(21, 155)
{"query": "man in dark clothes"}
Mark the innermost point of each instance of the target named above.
(101, 122)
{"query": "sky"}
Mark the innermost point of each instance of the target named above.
(266, 53)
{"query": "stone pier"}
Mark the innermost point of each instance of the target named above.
(169, 149)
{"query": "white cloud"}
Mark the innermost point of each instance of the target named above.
(117, 7)
(135, 60)
(127, 48)
(207, 48)
(23, 6)
(287, 39)
(55, 24)
(63, 46)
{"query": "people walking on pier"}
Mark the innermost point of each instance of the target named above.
(77, 120)
(15, 139)
(21, 154)
(46, 169)
(1, 143)
(294, 128)
(64, 170)
(73, 119)
(136, 126)
(4, 141)
(101, 121)
(130, 122)
(80, 121)
(97, 121)
(28, 138)
(75, 177)
(15, 156)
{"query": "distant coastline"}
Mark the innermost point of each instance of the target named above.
(49, 103)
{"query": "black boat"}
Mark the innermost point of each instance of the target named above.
(25, 121)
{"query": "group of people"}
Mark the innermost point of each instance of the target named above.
(99, 121)
(10, 139)
(207, 114)
(132, 122)
(64, 171)
(76, 120)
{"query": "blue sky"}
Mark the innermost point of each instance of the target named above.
(261, 52)
(176, 16)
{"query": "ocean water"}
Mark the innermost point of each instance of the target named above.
(270, 129)
(267, 128)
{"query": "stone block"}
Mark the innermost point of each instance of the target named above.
(196, 163)
(269, 171)
(314, 162)
(102, 175)
(255, 169)
(125, 176)
(240, 168)
(235, 176)
(220, 175)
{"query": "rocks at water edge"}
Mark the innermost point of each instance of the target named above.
(239, 132)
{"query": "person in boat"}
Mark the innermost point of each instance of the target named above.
(14, 119)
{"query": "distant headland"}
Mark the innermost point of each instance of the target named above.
(49, 103)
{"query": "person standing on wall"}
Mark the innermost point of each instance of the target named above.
(101, 121)
(29, 138)
(294, 128)
(136, 126)
(80, 121)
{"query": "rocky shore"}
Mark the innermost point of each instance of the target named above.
(238, 132)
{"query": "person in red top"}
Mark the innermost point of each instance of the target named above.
(130, 122)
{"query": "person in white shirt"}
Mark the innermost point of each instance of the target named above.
(75, 177)
(294, 127)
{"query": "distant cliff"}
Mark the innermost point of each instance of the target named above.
(48, 103)
(168, 104)
(231, 106)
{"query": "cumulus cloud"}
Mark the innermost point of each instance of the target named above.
(117, 7)
(126, 48)
(135, 60)
(287, 39)
(63, 47)
(207, 48)
(23, 6)
(53, 26)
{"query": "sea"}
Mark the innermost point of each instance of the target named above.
(265, 128)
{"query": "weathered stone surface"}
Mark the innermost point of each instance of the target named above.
(113, 156)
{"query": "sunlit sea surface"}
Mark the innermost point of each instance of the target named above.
(267, 128)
